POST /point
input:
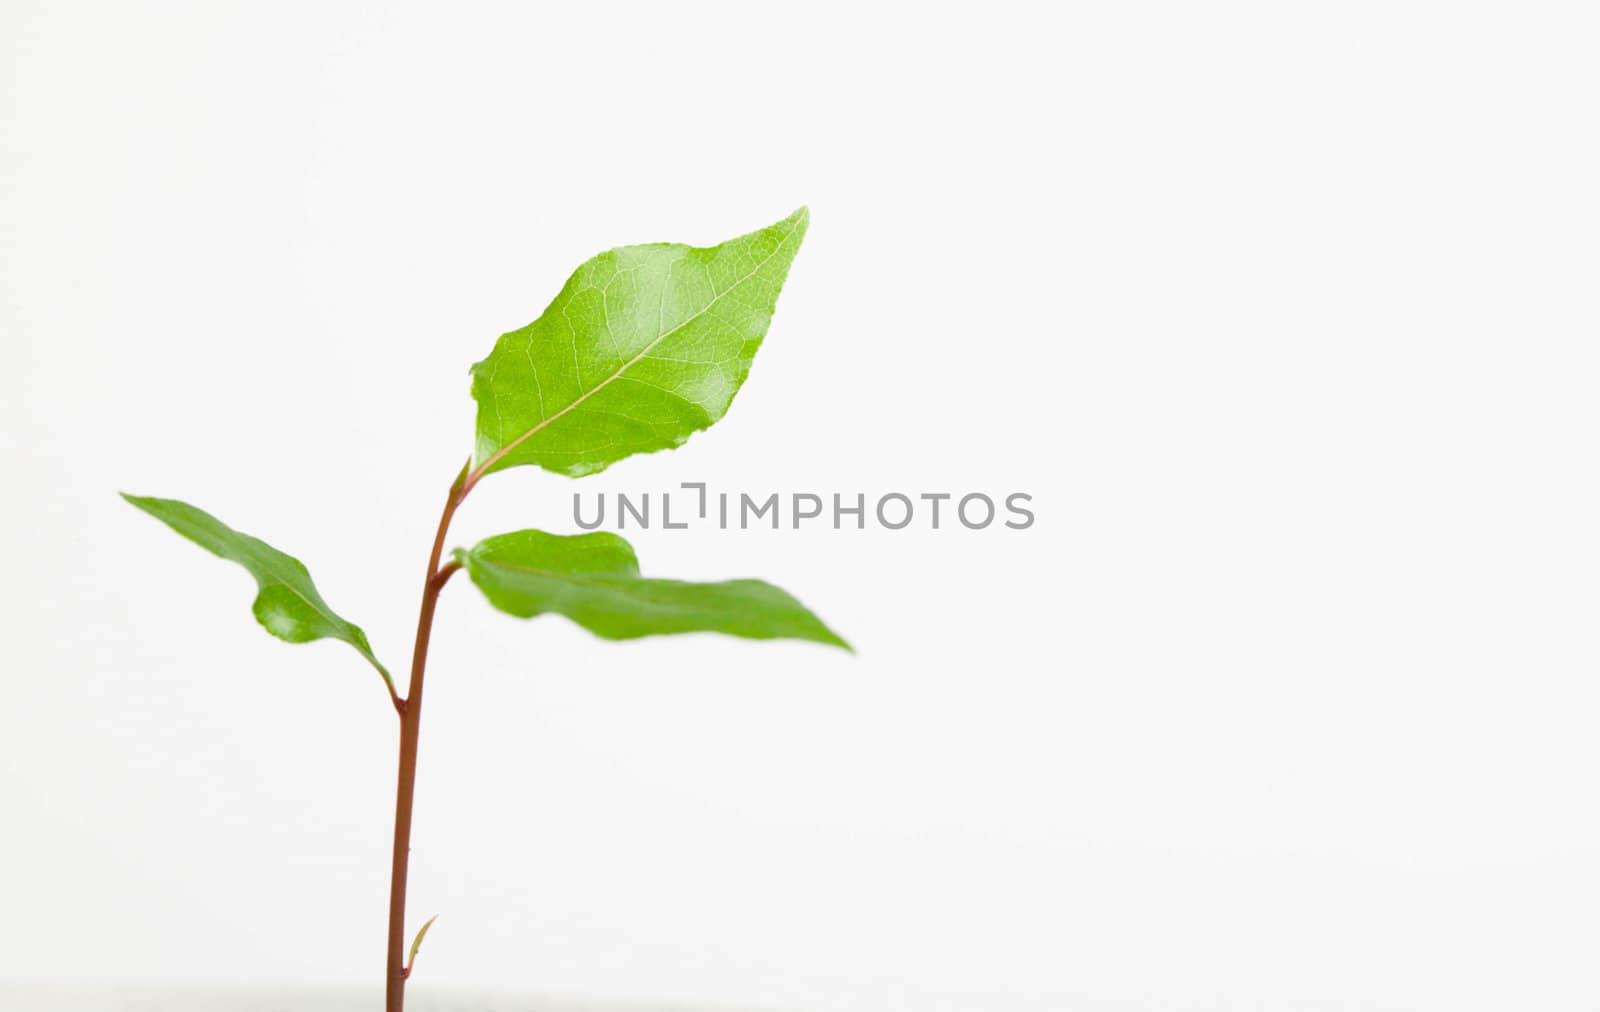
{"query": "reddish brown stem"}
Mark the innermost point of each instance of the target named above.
(410, 710)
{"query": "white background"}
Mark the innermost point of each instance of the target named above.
(1285, 314)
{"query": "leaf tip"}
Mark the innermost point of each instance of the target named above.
(142, 502)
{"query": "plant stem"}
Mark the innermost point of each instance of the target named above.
(410, 710)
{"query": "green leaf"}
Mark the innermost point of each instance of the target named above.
(288, 604)
(594, 580)
(645, 346)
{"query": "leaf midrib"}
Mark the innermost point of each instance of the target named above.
(628, 585)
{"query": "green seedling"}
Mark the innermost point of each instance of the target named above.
(643, 347)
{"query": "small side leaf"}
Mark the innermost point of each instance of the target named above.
(593, 579)
(288, 605)
(416, 946)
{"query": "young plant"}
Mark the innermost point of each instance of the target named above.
(643, 347)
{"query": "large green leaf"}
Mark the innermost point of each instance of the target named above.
(645, 346)
(594, 580)
(288, 605)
